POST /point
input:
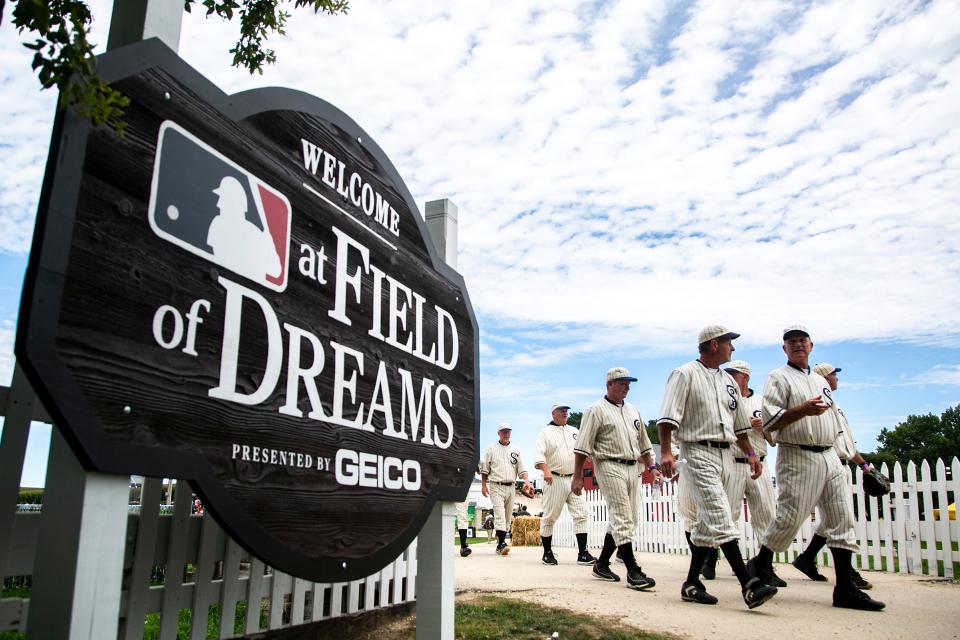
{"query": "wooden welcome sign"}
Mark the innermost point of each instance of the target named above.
(240, 292)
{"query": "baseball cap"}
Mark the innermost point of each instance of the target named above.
(715, 332)
(619, 373)
(558, 405)
(740, 366)
(503, 426)
(825, 369)
(794, 330)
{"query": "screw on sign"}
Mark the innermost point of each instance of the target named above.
(240, 292)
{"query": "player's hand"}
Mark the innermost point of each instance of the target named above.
(756, 467)
(656, 477)
(547, 477)
(576, 485)
(668, 465)
(815, 406)
(757, 424)
(485, 491)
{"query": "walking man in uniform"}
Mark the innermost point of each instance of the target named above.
(555, 458)
(760, 494)
(498, 473)
(462, 524)
(809, 473)
(613, 434)
(846, 448)
(702, 403)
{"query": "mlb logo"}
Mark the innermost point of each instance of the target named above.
(208, 205)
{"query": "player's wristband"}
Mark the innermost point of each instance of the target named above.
(653, 467)
(865, 466)
(751, 454)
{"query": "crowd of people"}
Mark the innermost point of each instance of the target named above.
(714, 434)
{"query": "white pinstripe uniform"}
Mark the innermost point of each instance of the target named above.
(760, 493)
(615, 437)
(462, 521)
(846, 448)
(555, 445)
(806, 478)
(704, 405)
(502, 464)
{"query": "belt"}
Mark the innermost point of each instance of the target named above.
(505, 483)
(714, 444)
(629, 462)
(815, 448)
(747, 460)
(843, 460)
(562, 475)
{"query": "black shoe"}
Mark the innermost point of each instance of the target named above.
(503, 549)
(859, 582)
(603, 572)
(809, 569)
(756, 593)
(853, 598)
(637, 579)
(709, 570)
(548, 558)
(764, 574)
(776, 580)
(465, 551)
(696, 592)
(585, 558)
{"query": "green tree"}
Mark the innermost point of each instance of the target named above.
(63, 54)
(652, 432)
(917, 438)
(574, 418)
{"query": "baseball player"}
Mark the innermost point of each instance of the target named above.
(846, 448)
(501, 465)
(613, 434)
(760, 494)
(555, 445)
(702, 403)
(809, 473)
(462, 524)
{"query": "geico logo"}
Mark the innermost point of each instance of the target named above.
(371, 470)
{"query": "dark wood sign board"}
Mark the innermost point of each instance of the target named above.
(240, 292)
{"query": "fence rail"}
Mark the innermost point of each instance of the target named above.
(897, 533)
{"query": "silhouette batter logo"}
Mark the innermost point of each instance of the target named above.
(208, 205)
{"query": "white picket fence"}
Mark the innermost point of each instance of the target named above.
(896, 533)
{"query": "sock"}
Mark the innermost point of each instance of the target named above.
(501, 537)
(842, 559)
(626, 553)
(764, 558)
(697, 556)
(546, 543)
(817, 542)
(582, 542)
(731, 551)
(609, 546)
(463, 538)
(689, 542)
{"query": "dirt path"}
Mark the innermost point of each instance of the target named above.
(916, 607)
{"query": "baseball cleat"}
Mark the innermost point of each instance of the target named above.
(465, 551)
(709, 570)
(776, 580)
(603, 572)
(503, 549)
(696, 592)
(853, 598)
(548, 558)
(637, 579)
(585, 558)
(809, 569)
(765, 574)
(756, 593)
(859, 582)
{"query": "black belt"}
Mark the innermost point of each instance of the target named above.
(562, 475)
(815, 448)
(630, 462)
(747, 460)
(843, 460)
(714, 444)
(507, 483)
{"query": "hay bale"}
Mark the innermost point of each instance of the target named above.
(525, 531)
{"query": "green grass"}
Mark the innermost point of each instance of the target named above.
(151, 626)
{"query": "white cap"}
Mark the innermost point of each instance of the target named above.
(795, 328)
(715, 332)
(558, 405)
(825, 369)
(504, 426)
(619, 373)
(740, 366)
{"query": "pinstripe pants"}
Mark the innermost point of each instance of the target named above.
(501, 495)
(710, 479)
(462, 522)
(807, 479)
(555, 495)
(848, 491)
(761, 497)
(620, 485)
(686, 507)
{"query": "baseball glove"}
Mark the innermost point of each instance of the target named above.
(875, 484)
(527, 490)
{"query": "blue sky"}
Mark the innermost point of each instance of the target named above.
(627, 172)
